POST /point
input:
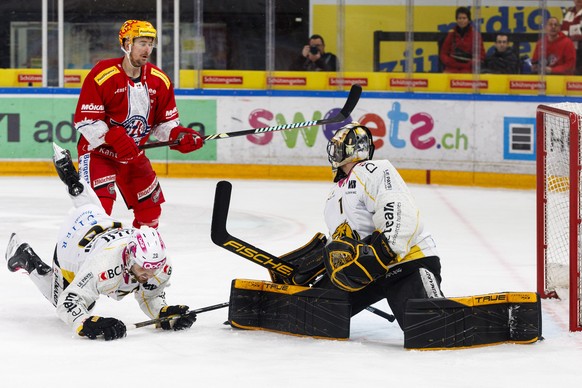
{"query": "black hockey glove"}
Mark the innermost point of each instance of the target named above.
(352, 264)
(184, 321)
(110, 328)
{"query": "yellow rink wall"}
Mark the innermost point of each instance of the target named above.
(469, 123)
(302, 173)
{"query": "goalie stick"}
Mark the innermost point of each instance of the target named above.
(353, 98)
(169, 318)
(222, 238)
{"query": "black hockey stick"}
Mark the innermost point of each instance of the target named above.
(344, 113)
(381, 313)
(221, 237)
(169, 318)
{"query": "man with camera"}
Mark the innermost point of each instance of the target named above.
(314, 58)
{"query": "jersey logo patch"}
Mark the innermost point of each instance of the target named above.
(162, 76)
(345, 230)
(106, 74)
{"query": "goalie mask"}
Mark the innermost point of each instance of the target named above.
(351, 143)
(132, 29)
(147, 249)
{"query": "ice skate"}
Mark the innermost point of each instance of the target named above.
(20, 256)
(66, 170)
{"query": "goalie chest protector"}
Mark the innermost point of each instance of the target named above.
(289, 309)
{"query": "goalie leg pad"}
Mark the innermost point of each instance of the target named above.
(289, 309)
(444, 323)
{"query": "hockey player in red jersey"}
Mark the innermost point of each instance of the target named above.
(122, 102)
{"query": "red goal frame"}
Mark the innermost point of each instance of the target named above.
(574, 218)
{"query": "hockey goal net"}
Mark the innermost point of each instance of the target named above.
(558, 201)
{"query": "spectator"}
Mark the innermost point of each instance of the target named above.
(314, 58)
(122, 101)
(572, 27)
(456, 52)
(560, 55)
(502, 59)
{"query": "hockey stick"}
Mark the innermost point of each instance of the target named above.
(222, 238)
(381, 313)
(169, 318)
(353, 98)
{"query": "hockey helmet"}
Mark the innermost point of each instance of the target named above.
(351, 143)
(147, 249)
(132, 29)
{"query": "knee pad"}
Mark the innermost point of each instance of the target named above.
(148, 217)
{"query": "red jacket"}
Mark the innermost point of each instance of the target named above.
(110, 98)
(454, 44)
(560, 54)
(571, 25)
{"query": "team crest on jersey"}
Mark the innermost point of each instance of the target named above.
(345, 230)
(137, 127)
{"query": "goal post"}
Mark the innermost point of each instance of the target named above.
(558, 212)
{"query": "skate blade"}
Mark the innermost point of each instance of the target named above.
(59, 152)
(13, 245)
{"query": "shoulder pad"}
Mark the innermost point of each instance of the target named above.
(161, 75)
(106, 74)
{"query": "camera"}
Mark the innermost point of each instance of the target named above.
(314, 50)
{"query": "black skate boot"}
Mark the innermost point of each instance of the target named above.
(66, 170)
(21, 256)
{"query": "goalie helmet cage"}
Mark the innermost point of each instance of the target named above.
(558, 205)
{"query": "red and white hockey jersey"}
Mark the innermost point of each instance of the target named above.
(110, 98)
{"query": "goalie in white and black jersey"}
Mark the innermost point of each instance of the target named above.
(379, 246)
(95, 255)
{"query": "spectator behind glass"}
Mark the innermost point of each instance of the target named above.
(456, 53)
(314, 58)
(502, 59)
(560, 52)
(572, 27)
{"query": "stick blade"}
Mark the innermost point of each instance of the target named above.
(218, 233)
(352, 101)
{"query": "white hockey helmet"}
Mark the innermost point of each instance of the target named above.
(147, 249)
(351, 143)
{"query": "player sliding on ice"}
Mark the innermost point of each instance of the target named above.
(95, 255)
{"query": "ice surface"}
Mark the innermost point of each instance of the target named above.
(486, 239)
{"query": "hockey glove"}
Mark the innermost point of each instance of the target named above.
(188, 139)
(95, 326)
(184, 321)
(352, 264)
(122, 144)
(308, 260)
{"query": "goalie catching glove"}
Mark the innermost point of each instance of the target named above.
(95, 326)
(184, 319)
(188, 139)
(352, 264)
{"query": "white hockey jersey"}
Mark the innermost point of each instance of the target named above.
(90, 258)
(375, 197)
